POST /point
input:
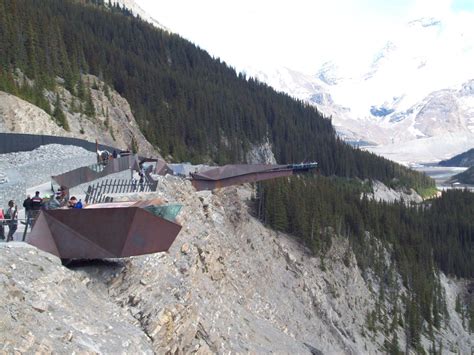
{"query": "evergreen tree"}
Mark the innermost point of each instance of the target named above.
(59, 115)
(89, 109)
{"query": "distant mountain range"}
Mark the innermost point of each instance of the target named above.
(465, 159)
(414, 102)
(466, 177)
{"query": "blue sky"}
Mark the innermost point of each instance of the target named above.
(463, 5)
(299, 34)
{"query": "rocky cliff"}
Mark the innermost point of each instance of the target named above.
(228, 284)
(111, 124)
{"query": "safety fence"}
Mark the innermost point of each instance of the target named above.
(7, 224)
(22, 142)
(93, 172)
(101, 191)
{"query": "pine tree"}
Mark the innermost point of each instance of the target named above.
(59, 115)
(89, 109)
(134, 145)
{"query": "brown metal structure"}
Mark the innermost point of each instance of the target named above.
(161, 167)
(90, 173)
(108, 230)
(228, 175)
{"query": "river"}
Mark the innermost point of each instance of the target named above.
(442, 174)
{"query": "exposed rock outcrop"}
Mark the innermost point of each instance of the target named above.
(261, 154)
(112, 124)
(381, 192)
(48, 308)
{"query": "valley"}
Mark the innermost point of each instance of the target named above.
(442, 175)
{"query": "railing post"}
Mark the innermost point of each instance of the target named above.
(26, 227)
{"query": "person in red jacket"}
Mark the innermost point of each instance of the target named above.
(36, 202)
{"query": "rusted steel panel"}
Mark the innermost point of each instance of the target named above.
(92, 172)
(103, 231)
(240, 179)
(162, 167)
(229, 171)
(148, 232)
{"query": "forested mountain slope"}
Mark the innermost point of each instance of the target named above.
(466, 177)
(416, 242)
(463, 159)
(190, 105)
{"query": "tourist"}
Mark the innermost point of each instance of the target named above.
(78, 204)
(62, 195)
(27, 205)
(2, 223)
(141, 179)
(12, 217)
(36, 202)
(72, 202)
(52, 203)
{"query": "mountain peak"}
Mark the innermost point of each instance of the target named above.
(328, 73)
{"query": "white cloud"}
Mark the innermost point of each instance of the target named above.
(300, 34)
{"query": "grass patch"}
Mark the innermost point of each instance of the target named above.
(427, 192)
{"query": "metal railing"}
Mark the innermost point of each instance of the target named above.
(4, 222)
(99, 192)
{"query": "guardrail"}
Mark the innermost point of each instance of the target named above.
(26, 221)
(99, 192)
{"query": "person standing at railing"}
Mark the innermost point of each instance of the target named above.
(27, 206)
(12, 217)
(36, 202)
(2, 223)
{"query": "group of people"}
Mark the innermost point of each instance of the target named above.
(59, 200)
(9, 218)
(33, 205)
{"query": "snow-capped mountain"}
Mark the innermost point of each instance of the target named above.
(414, 99)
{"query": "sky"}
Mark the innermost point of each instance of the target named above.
(298, 34)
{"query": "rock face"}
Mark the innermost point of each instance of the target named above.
(19, 116)
(261, 154)
(385, 194)
(113, 123)
(227, 284)
(49, 308)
